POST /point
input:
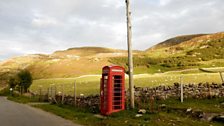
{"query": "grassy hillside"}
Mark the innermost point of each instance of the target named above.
(178, 53)
(86, 51)
(175, 41)
(200, 51)
(178, 46)
(68, 63)
(72, 62)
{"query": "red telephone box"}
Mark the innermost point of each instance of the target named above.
(112, 90)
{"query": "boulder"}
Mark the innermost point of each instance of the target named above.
(189, 110)
(162, 106)
(197, 114)
(141, 111)
(219, 118)
(138, 115)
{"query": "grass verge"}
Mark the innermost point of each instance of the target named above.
(206, 105)
(128, 117)
(23, 99)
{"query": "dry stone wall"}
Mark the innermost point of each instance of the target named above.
(199, 91)
(202, 90)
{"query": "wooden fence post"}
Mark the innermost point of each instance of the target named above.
(48, 92)
(55, 93)
(181, 90)
(152, 104)
(75, 93)
(20, 90)
(63, 96)
(209, 92)
(40, 93)
(221, 77)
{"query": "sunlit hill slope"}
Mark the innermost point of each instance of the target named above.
(181, 52)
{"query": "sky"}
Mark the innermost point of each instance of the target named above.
(44, 26)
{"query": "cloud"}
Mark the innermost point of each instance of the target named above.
(164, 2)
(44, 26)
(176, 17)
(40, 20)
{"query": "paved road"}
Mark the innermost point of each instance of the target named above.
(15, 114)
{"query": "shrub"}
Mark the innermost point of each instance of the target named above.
(25, 79)
(21, 80)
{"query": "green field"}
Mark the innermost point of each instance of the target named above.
(84, 85)
(88, 85)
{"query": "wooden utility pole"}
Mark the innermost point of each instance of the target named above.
(130, 59)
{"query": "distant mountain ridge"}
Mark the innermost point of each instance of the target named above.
(174, 41)
(181, 44)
